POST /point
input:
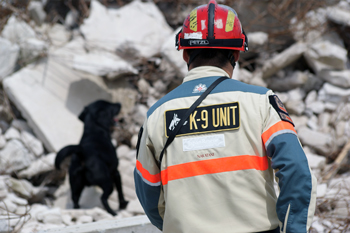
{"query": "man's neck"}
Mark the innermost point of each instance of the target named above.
(227, 68)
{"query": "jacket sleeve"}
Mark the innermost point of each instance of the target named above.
(147, 179)
(297, 198)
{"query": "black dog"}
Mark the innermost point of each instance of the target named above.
(94, 161)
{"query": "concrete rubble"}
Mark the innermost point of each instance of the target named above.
(8, 57)
(142, 37)
(134, 62)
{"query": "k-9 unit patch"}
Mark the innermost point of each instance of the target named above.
(204, 119)
(280, 109)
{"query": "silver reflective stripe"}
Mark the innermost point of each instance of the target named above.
(286, 220)
(146, 181)
(278, 133)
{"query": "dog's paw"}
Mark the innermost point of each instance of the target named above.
(123, 204)
(112, 213)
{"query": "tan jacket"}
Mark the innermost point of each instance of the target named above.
(218, 173)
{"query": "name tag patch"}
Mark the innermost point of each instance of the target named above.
(203, 142)
(204, 119)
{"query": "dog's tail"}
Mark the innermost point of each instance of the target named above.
(66, 152)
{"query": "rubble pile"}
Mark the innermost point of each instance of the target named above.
(49, 72)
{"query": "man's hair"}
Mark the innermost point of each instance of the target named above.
(214, 57)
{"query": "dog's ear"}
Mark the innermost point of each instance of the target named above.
(83, 114)
(119, 106)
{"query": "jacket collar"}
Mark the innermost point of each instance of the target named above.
(204, 71)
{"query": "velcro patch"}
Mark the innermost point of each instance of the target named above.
(280, 109)
(204, 119)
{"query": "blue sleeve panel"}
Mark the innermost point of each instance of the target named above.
(148, 196)
(295, 181)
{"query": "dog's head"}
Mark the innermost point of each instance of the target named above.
(101, 112)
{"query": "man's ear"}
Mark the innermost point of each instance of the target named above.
(236, 54)
(82, 115)
(185, 56)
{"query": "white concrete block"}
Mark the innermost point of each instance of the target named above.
(41, 97)
(17, 31)
(173, 56)
(139, 27)
(324, 55)
(316, 161)
(283, 59)
(14, 156)
(39, 166)
(322, 142)
(321, 190)
(337, 78)
(333, 94)
(8, 57)
(339, 15)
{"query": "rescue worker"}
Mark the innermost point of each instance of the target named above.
(217, 175)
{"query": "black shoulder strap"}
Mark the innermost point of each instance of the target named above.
(187, 114)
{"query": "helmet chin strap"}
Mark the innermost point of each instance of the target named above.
(231, 58)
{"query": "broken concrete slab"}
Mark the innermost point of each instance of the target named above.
(56, 34)
(8, 57)
(115, 89)
(41, 99)
(95, 62)
(39, 166)
(50, 95)
(295, 80)
(283, 59)
(14, 157)
(31, 49)
(257, 39)
(173, 56)
(26, 190)
(337, 78)
(143, 36)
(17, 31)
(323, 143)
(313, 104)
(324, 55)
(102, 64)
(122, 91)
(333, 94)
(339, 14)
(296, 107)
(316, 161)
(32, 143)
(12, 133)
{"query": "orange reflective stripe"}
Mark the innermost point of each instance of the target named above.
(281, 125)
(213, 166)
(146, 175)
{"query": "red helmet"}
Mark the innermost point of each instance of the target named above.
(212, 26)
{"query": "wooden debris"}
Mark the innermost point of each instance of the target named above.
(337, 163)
